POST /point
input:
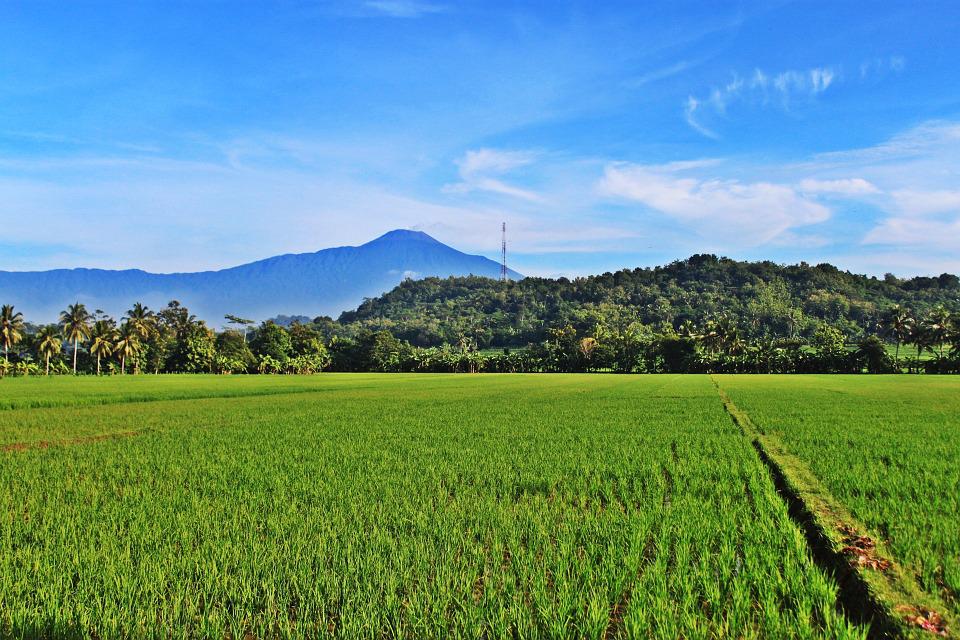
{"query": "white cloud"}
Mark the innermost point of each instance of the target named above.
(921, 203)
(916, 174)
(745, 214)
(759, 87)
(478, 169)
(918, 233)
(843, 186)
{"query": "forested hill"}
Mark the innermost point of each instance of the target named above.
(763, 298)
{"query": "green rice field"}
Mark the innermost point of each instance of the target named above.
(456, 506)
(887, 447)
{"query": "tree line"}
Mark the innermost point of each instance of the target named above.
(764, 300)
(606, 338)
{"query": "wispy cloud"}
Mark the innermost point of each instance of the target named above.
(404, 8)
(479, 170)
(935, 138)
(882, 66)
(690, 113)
(842, 186)
(760, 87)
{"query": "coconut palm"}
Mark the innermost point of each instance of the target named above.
(898, 324)
(920, 337)
(143, 322)
(938, 324)
(49, 343)
(955, 334)
(101, 343)
(127, 344)
(75, 321)
(688, 330)
(11, 329)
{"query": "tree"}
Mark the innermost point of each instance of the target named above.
(830, 347)
(898, 324)
(142, 320)
(49, 343)
(307, 342)
(272, 340)
(872, 353)
(587, 347)
(234, 351)
(101, 340)
(242, 323)
(938, 325)
(920, 338)
(11, 329)
(75, 321)
(675, 353)
(127, 344)
(955, 335)
(195, 350)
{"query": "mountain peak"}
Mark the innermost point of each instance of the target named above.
(403, 235)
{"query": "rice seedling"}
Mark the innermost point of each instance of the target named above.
(404, 506)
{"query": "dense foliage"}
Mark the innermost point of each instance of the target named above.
(705, 314)
(762, 299)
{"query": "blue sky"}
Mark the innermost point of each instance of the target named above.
(187, 135)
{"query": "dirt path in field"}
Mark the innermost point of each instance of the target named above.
(44, 444)
(873, 588)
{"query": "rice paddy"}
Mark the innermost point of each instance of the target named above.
(439, 506)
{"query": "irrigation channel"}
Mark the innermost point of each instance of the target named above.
(873, 588)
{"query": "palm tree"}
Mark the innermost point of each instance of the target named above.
(688, 330)
(143, 321)
(102, 340)
(955, 334)
(127, 344)
(75, 321)
(898, 324)
(938, 323)
(711, 337)
(11, 329)
(920, 338)
(49, 343)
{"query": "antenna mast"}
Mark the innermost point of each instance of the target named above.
(503, 254)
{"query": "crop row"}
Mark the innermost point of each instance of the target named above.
(533, 507)
(888, 448)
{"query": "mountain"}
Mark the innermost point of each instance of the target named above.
(322, 283)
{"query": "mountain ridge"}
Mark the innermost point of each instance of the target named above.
(324, 282)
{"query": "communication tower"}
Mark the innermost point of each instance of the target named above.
(503, 254)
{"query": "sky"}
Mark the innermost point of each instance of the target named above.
(184, 136)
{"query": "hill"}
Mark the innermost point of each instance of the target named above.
(322, 283)
(763, 298)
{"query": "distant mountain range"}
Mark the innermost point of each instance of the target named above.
(322, 283)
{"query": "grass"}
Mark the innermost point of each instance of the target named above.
(400, 506)
(887, 447)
